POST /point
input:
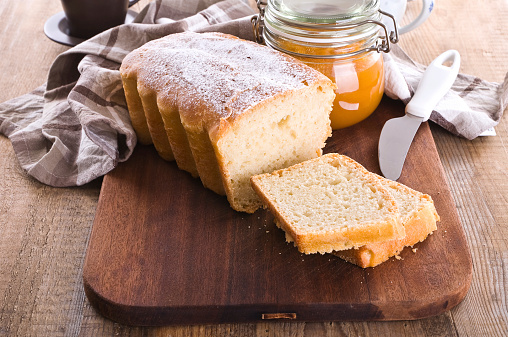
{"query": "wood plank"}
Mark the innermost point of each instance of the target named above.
(164, 250)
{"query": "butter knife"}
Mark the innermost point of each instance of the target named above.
(398, 133)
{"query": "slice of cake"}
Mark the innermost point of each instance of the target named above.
(226, 109)
(329, 203)
(418, 215)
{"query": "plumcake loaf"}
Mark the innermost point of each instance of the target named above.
(418, 215)
(226, 109)
(328, 204)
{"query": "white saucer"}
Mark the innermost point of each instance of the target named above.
(57, 29)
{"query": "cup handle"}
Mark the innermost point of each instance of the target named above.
(132, 2)
(427, 7)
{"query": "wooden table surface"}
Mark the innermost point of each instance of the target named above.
(44, 231)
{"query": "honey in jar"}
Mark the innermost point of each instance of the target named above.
(341, 39)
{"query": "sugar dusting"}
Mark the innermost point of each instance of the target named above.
(217, 73)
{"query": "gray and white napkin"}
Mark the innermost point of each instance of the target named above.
(471, 107)
(76, 127)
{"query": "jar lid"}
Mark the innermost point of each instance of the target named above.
(324, 11)
(342, 23)
(339, 21)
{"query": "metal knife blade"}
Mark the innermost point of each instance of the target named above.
(398, 133)
(394, 142)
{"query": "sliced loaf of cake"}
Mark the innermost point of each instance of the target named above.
(226, 109)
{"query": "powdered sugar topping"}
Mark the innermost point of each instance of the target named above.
(217, 73)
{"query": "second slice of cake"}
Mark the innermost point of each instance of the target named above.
(418, 215)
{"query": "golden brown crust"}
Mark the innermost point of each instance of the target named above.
(136, 112)
(155, 122)
(177, 135)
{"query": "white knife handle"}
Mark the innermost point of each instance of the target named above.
(436, 81)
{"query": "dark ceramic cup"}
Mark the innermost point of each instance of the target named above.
(86, 18)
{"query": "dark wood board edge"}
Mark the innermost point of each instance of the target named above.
(303, 312)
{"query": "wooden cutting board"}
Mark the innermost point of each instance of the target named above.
(164, 250)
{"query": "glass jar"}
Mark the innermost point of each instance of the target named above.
(339, 38)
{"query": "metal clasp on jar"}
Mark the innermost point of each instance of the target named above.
(381, 45)
(258, 21)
